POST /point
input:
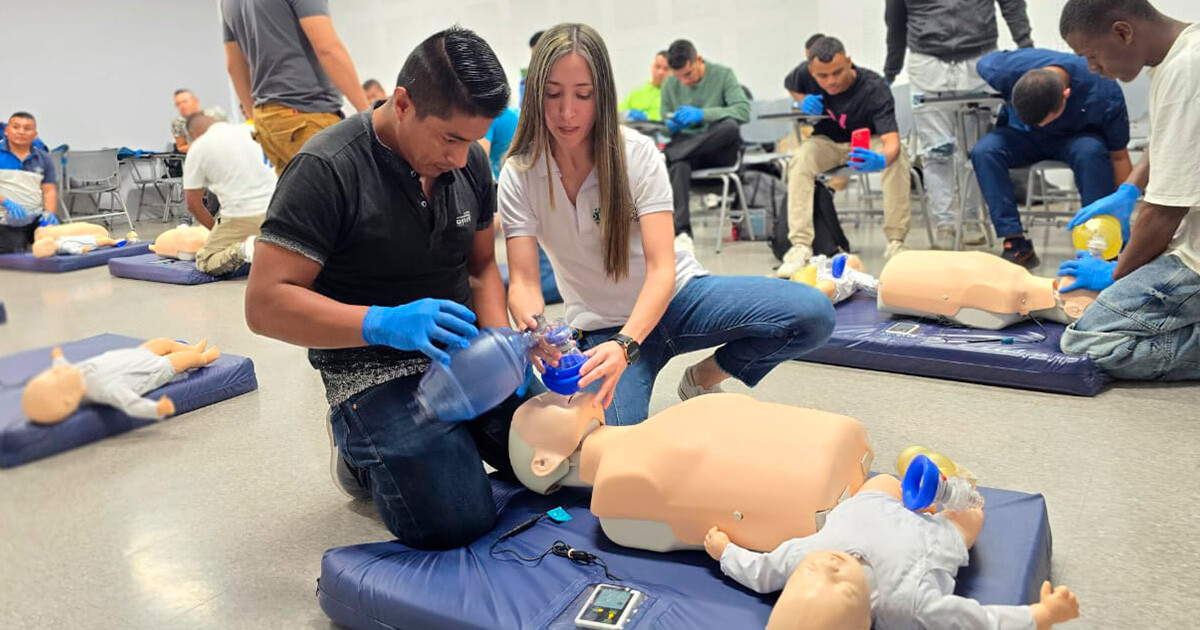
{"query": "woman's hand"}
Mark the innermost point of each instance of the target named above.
(542, 353)
(605, 361)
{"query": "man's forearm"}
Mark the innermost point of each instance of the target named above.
(891, 147)
(302, 317)
(50, 199)
(1149, 238)
(487, 289)
(239, 74)
(1122, 166)
(203, 216)
(340, 68)
(1140, 175)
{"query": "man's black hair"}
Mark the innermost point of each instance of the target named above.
(183, 91)
(533, 39)
(192, 119)
(370, 83)
(812, 40)
(1038, 94)
(680, 53)
(455, 71)
(22, 115)
(661, 53)
(1095, 16)
(825, 49)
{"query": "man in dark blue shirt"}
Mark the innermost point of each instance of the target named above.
(1055, 109)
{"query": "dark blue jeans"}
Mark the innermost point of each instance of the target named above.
(1007, 148)
(757, 322)
(425, 477)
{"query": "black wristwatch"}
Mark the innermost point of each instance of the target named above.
(631, 348)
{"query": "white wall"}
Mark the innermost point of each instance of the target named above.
(100, 73)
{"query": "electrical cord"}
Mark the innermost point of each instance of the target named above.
(558, 548)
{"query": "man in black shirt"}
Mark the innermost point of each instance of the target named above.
(852, 98)
(377, 254)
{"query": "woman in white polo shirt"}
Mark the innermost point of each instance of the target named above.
(598, 200)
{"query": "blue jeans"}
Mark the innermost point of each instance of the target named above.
(1006, 148)
(1146, 326)
(425, 477)
(761, 323)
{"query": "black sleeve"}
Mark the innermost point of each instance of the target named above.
(896, 19)
(308, 210)
(1018, 22)
(883, 119)
(480, 168)
(797, 80)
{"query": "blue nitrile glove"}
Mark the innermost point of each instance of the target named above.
(688, 115)
(673, 126)
(637, 115)
(15, 210)
(814, 104)
(48, 218)
(1089, 273)
(1119, 204)
(417, 325)
(866, 160)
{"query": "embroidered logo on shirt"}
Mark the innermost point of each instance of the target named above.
(462, 219)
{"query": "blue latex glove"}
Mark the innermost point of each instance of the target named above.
(417, 325)
(688, 115)
(15, 210)
(866, 160)
(637, 115)
(673, 126)
(48, 218)
(1119, 204)
(1089, 273)
(814, 104)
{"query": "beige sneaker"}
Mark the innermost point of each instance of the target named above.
(973, 235)
(683, 243)
(893, 248)
(689, 389)
(794, 260)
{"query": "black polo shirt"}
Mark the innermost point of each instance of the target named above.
(348, 202)
(868, 103)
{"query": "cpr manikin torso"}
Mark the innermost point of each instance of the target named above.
(973, 289)
(768, 472)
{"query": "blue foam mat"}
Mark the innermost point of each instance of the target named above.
(21, 441)
(860, 339)
(57, 264)
(155, 269)
(387, 586)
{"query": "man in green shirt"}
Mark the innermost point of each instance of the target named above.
(643, 103)
(702, 104)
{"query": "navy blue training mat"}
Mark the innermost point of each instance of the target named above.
(861, 339)
(155, 269)
(388, 586)
(21, 441)
(61, 263)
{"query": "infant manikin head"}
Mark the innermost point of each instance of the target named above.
(827, 591)
(53, 394)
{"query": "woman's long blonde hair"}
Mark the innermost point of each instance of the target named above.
(532, 138)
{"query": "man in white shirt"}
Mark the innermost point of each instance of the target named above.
(225, 159)
(1146, 325)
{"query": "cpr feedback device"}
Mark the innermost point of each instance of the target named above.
(609, 607)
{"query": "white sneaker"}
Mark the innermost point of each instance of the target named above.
(973, 234)
(794, 260)
(689, 389)
(248, 248)
(683, 243)
(944, 236)
(343, 478)
(893, 248)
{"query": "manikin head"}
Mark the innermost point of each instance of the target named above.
(827, 591)
(685, 62)
(55, 393)
(186, 102)
(1113, 35)
(1040, 96)
(829, 64)
(544, 435)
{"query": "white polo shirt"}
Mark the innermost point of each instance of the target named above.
(570, 233)
(227, 161)
(1174, 136)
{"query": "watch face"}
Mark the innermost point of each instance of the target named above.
(632, 351)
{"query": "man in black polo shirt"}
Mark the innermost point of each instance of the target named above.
(377, 254)
(853, 98)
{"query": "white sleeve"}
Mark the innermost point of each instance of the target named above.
(935, 610)
(1174, 136)
(648, 181)
(118, 394)
(517, 216)
(193, 168)
(763, 572)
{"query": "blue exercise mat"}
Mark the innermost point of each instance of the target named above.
(60, 263)
(389, 586)
(22, 441)
(156, 269)
(865, 338)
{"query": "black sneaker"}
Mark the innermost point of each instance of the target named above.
(1020, 250)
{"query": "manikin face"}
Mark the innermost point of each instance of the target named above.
(570, 101)
(827, 590)
(1111, 53)
(20, 132)
(53, 394)
(187, 104)
(692, 73)
(434, 145)
(659, 70)
(835, 76)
